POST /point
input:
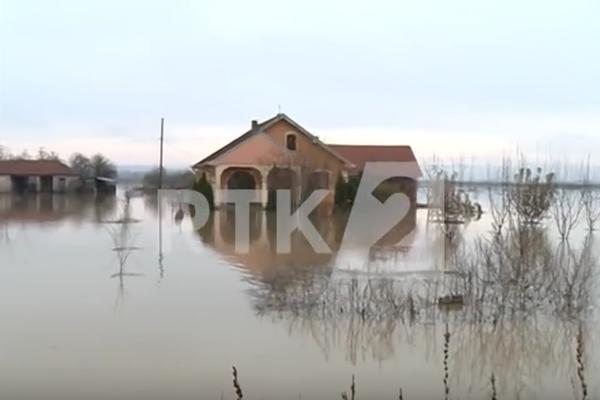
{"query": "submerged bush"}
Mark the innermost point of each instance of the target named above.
(452, 203)
(341, 192)
(532, 195)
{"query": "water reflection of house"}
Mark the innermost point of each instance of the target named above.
(47, 176)
(48, 208)
(280, 154)
(262, 258)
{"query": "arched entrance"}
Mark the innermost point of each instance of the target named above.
(241, 178)
(319, 180)
(282, 178)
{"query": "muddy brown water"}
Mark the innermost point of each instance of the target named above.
(94, 306)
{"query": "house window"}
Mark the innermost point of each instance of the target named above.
(290, 141)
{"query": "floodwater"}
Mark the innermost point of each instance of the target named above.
(98, 300)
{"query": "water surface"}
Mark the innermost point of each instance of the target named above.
(94, 306)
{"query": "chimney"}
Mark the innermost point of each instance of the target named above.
(254, 125)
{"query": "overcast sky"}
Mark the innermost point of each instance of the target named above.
(465, 77)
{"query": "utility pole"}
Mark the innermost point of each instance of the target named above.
(162, 138)
(160, 185)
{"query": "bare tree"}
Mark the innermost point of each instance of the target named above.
(96, 166)
(44, 154)
(103, 167)
(4, 153)
(566, 211)
(24, 155)
(590, 200)
(82, 165)
(454, 203)
(531, 195)
(500, 203)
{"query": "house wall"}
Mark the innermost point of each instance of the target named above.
(256, 150)
(70, 183)
(307, 154)
(310, 157)
(5, 184)
(263, 151)
(35, 183)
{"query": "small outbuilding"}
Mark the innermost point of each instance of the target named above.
(105, 186)
(43, 176)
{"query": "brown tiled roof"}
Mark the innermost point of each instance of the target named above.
(359, 155)
(35, 168)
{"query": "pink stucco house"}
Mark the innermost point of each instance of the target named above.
(281, 154)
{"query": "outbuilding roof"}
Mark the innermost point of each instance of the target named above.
(35, 168)
(359, 155)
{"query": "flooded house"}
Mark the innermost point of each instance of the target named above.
(43, 176)
(281, 154)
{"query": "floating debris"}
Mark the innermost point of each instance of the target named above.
(451, 300)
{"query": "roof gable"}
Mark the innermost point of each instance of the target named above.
(258, 148)
(302, 130)
(260, 127)
(235, 142)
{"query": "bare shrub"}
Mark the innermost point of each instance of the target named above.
(531, 195)
(452, 202)
(590, 201)
(566, 211)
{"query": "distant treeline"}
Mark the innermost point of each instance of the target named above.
(492, 183)
(567, 174)
(172, 179)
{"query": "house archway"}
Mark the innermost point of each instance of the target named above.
(282, 178)
(241, 178)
